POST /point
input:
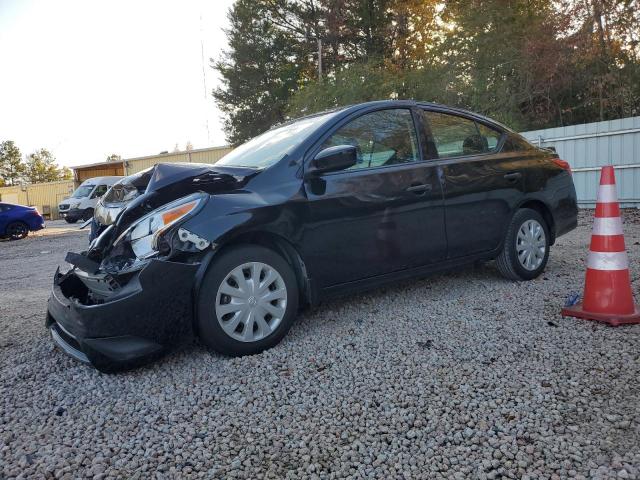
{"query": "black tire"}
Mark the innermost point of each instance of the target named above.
(208, 327)
(87, 214)
(70, 220)
(507, 262)
(17, 230)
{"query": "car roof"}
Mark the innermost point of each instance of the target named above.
(401, 103)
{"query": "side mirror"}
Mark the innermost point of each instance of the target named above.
(334, 159)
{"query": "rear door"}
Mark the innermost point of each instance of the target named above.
(481, 185)
(382, 215)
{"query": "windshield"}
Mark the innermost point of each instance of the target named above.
(270, 147)
(83, 191)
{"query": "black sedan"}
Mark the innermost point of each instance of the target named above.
(325, 205)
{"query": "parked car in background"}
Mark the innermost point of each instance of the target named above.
(116, 199)
(325, 205)
(16, 221)
(82, 202)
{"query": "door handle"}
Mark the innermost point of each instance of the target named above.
(512, 177)
(420, 189)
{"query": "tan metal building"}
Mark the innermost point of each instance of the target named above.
(46, 196)
(102, 169)
(136, 164)
(201, 155)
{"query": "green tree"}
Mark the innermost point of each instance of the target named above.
(604, 60)
(114, 157)
(12, 167)
(41, 167)
(66, 173)
(259, 72)
(532, 64)
(353, 84)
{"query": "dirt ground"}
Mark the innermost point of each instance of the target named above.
(460, 375)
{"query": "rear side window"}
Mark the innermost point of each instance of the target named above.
(382, 138)
(457, 136)
(516, 143)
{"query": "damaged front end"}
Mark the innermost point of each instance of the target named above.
(128, 298)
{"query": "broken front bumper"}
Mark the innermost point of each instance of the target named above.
(128, 326)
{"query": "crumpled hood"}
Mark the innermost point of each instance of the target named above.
(166, 182)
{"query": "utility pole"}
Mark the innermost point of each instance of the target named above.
(319, 60)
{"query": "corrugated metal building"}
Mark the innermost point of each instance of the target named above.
(202, 155)
(136, 164)
(44, 196)
(590, 146)
(102, 169)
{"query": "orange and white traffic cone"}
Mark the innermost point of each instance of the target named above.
(607, 286)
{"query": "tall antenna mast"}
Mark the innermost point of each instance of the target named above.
(204, 81)
(320, 59)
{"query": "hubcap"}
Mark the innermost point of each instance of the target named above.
(251, 301)
(531, 244)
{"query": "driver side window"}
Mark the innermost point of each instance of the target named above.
(99, 191)
(385, 137)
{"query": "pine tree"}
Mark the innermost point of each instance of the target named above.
(259, 72)
(12, 167)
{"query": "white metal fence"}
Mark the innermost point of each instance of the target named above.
(590, 146)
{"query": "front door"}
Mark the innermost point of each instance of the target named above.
(4, 217)
(481, 185)
(382, 215)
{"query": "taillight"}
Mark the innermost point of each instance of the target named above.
(35, 212)
(562, 164)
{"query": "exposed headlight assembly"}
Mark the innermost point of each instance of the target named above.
(145, 234)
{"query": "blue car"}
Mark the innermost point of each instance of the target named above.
(17, 220)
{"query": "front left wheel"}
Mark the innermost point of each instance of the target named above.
(247, 302)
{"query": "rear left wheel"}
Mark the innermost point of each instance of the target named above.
(526, 246)
(17, 230)
(247, 302)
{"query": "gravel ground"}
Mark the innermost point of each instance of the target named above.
(461, 375)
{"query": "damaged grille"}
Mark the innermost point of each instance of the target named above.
(88, 289)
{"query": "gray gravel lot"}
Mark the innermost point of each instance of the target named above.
(461, 375)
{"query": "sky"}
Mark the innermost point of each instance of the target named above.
(86, 79)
